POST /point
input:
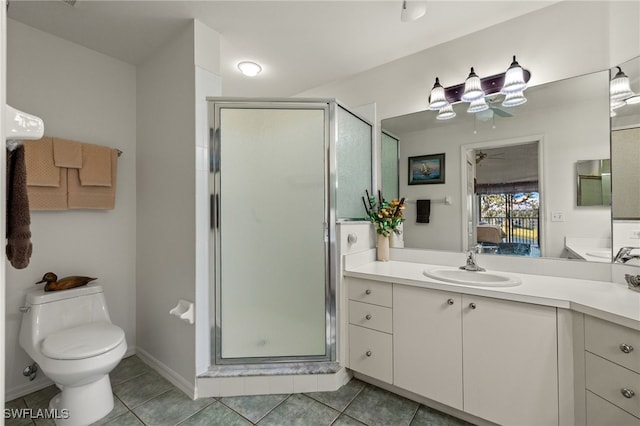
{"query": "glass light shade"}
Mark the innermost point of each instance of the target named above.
(478, 105)
(619, 88)
(617, 104)
(446, 113)
(513, 79)
(250, 69)
(514, 99)
(472, 88)
(412, 10)
(437, 99)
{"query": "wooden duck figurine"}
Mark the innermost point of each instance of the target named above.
(53, 284)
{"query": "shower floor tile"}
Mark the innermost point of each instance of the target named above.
(144, 397)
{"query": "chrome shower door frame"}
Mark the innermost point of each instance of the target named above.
(216, 105)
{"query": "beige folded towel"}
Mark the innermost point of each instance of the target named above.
(67, 153)
(93, 197)
(49, 197)
(96, 165)
(41, 170)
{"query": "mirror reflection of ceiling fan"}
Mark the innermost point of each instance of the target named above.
(481, 155)
(489, 114)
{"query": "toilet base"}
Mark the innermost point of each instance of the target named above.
(83, 405)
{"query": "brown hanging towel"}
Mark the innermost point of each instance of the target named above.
(19, 246)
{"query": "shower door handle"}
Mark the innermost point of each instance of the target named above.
(214, 211)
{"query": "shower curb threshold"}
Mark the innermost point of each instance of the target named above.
(272, 369)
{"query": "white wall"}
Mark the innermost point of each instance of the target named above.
(81, 95)
(576, 128)
(167, 240)
(564, 40)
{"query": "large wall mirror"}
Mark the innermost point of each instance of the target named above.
(519, 162)
(625, 160)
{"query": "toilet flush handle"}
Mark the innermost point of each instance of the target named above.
(24, 309)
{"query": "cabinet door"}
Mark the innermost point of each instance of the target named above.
(510, 361)
(427, 343)
(370, 353)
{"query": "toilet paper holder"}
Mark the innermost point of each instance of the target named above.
(184, 310)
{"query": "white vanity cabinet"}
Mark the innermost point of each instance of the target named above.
(370, 328)
(427, 346)
(612, 360)
(492, 358)
(510, 361)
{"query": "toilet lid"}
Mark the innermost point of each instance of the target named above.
(84, 341)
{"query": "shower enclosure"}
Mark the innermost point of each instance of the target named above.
(274, 204)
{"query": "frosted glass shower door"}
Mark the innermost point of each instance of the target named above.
(272, 280)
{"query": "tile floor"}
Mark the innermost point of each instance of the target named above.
(143, 397)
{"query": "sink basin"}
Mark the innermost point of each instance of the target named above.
(482, 279)
(604, 253)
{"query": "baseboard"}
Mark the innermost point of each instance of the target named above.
(27, 388)
(176, 379)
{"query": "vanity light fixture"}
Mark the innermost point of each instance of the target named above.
(510, 83)
(446, 113)
(478, 105)
(249, 68)
(412, 10)
(472, 88)
(514, 99)
(513, 79)
(619, 87)
(437, 99)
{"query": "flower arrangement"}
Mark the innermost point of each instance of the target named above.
(386, 216)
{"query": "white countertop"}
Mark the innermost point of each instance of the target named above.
(606, 300)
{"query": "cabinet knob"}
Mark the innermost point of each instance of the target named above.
(368, 353)
(368, 316)
(450, 302)
(627, 393)
(472, 305)
(352, 238)
(626, 348)
(367, 291)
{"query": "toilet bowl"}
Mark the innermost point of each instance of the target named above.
(70, 335)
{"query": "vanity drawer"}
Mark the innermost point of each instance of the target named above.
(602, 413)
(611, 381)
(370, 353)
(376, 292)
(371, 316)
(613, 342)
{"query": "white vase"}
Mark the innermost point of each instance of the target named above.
(383, 248)
(396, 239)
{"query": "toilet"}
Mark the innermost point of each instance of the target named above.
(70, 335)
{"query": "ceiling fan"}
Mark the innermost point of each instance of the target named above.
(480, 155)
(489, 114)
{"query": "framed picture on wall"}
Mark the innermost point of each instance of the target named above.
(426, 169)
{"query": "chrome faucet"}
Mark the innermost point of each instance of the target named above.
(471, 264)
(625, 254)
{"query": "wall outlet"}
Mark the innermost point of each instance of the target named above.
(634, 235)
(557, 216)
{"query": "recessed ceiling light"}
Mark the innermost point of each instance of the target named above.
(250, 69)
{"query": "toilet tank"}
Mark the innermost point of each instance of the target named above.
(56, 310)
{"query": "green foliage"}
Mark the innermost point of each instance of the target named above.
(386, 216)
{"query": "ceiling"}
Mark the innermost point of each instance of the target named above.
(301, 44)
